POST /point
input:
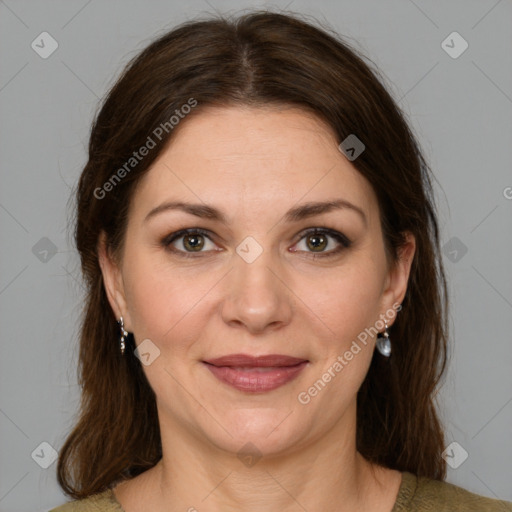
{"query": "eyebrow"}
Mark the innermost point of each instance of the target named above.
(293, 215)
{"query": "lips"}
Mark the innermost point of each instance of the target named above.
(246, 361)
(255, 373)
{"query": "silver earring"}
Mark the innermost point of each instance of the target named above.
(124, 334)
(383, 343)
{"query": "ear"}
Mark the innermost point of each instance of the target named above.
(113, 281)
(398, 275)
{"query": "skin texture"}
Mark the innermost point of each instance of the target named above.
(254, 164)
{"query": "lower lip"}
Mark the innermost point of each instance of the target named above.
(256, 379)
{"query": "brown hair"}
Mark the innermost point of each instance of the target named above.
(260, 58)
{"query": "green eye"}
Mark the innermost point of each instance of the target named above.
(192, 240)
(317, 240)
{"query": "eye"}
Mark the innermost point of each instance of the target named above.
(316, 242)
(322, 242)
(189, 241)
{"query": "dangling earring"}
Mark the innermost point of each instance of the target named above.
(383, 344)
(124, 335)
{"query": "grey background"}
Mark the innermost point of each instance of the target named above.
(460, 108)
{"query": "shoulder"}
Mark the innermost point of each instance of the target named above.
(420, 494)
(102, 502)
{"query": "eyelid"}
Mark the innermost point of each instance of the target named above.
(342, 239)
(169, 239)
(337, 235)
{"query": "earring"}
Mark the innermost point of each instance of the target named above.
(383, 344)
(124, 334)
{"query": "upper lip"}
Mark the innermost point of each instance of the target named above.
(245, 360)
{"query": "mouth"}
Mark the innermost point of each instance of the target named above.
(256, 374)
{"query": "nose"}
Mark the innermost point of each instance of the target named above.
(257, 297)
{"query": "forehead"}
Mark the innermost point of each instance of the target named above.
(253, 158)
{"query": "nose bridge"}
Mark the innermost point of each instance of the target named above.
(256, 297)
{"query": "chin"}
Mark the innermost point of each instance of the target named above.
(267, 431)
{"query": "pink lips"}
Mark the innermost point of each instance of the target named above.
(256, 374)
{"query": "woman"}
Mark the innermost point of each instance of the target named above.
(265, 325)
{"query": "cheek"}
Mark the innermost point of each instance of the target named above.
(165, 302)
(346, 348)
(347, 301)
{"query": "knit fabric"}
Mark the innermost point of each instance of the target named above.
(416, 494)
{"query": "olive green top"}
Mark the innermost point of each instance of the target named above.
(414, 495)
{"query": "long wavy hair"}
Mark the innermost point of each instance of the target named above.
(256, 59)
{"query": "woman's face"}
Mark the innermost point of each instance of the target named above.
(252, 277)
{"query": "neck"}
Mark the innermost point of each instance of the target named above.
(325, 474)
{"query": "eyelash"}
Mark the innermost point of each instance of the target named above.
(344, 242)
